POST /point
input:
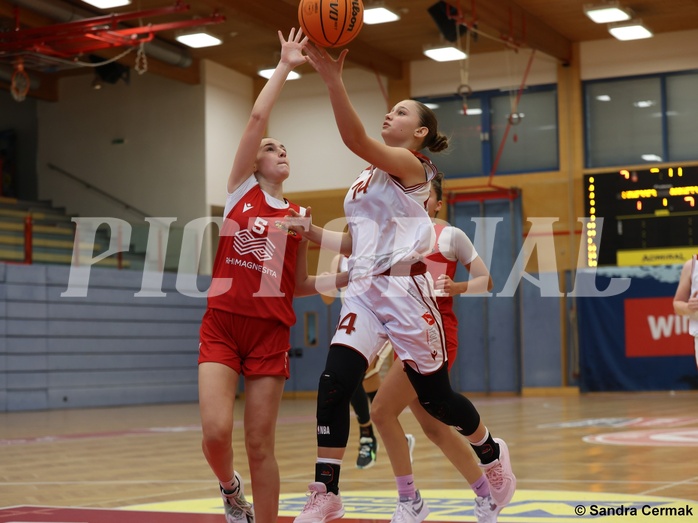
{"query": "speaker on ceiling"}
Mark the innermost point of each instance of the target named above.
(445, 15)
(111, 72)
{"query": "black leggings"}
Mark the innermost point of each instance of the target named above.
(344, 371)
(442, 402)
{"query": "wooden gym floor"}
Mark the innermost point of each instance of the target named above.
(620, 451)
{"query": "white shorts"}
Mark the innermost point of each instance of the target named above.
(383, 353)
(401, 309)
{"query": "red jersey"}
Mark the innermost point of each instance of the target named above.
(254, 272)
(438, 264)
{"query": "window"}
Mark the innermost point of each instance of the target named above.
(464, 154)
(310, 322)
(682, 117)
(624, 124)
(649, 119)
(476, 135)
(531, 142)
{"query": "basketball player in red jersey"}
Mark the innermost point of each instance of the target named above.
(452, 247)
(246, 328)
(390, 296)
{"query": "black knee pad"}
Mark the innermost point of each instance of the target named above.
(343, 372)
(333, 421)
(440, 401)
(331, 394)
(437, 409)
(456, 411)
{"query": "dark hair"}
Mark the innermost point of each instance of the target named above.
(436, 185)
(435, 141)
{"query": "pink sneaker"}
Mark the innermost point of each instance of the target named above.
(500, 476)
(321, 507)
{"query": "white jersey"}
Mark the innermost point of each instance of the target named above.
(388, 222)
(692, 323)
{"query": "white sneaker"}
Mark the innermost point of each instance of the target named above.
(410, 443)
(486, 510)
(410, 510)
(237, 508)
(321, 507)
(500, 476)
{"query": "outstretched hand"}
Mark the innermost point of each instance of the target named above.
(298, 223)
(323, 63)
(292, 49)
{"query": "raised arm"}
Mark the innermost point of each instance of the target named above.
(291, 56)
(398, 161)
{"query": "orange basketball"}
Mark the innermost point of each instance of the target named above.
(331, 23)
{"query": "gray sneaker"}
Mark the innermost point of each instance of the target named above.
(237, 508)
(410, 510)
(486, 510)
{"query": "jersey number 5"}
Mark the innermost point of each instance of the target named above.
(260, 225)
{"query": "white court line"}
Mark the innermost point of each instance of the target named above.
(672, 484)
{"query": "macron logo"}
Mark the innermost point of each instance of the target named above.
(246, 207)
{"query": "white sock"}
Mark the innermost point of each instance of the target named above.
(230, 486)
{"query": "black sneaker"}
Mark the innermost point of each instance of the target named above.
(367, 453)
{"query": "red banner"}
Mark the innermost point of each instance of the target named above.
(653, 329)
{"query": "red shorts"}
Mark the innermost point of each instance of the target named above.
(451, 332)
(249, 346)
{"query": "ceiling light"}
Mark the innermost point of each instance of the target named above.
(197, 40)
(107, 4)
(445, 54)
(607, 12)
(266, 73)
(651, 158)
(644, 104)
(633, 30)
(379, 15)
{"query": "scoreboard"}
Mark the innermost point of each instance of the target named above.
(648, 216)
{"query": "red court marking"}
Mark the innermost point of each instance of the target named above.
(30, 514)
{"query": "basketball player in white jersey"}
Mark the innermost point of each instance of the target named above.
(366, 391)
(390, 295)
(686, 297)
(246, 328)
(452, 248)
